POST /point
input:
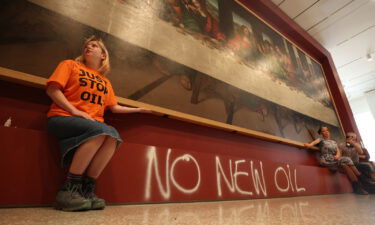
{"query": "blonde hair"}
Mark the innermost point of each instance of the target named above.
(105, 67)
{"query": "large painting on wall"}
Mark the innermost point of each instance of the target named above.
(213, 59)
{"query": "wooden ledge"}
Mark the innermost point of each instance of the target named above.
(39, 82)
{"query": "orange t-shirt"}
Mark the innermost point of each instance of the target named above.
(85, 88)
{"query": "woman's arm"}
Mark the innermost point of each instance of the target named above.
(365, 155)
(309, 145)
(358, 148)
(124, 109)
(338, 154)
(54, 92)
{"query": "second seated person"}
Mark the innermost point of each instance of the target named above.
(330, 157)
(351, 148)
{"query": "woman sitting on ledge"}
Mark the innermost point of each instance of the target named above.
(330, 157)
(81, 93)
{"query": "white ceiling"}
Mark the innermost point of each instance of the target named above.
(346, 28)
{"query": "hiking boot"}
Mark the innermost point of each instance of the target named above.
(366, 180)
(89, 193)
(70, 198)
(358, 189)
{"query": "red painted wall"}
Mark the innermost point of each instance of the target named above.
(177, 153)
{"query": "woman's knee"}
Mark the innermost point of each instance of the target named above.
(110, 140)
(99, 139)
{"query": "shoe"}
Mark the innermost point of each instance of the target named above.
(69, 198)
(357, 189)
(89, 193)
(366, 180)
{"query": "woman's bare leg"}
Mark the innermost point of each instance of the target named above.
(355, 170)
(349, 172)
(70, 196)
(102, 157)
(84, 154)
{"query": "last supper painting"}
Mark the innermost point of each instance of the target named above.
(212, 59)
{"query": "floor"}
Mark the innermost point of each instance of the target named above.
(325, 209)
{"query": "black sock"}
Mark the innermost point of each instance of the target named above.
(89, 185)
(74, 178)
(90, 180)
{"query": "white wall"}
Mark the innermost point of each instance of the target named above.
(365, 120)
(370, 98)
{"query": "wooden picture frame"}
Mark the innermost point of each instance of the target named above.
(210, 83)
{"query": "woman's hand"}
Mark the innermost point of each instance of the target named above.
(350, 141)
(307, 145)
(143, 110)
(338, 154)
(82, 114)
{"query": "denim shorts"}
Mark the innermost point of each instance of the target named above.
(72, 131)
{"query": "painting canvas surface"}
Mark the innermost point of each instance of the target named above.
(209, 58)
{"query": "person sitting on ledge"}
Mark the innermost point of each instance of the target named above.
(330, 157)
(352, 149)
(81, 93)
